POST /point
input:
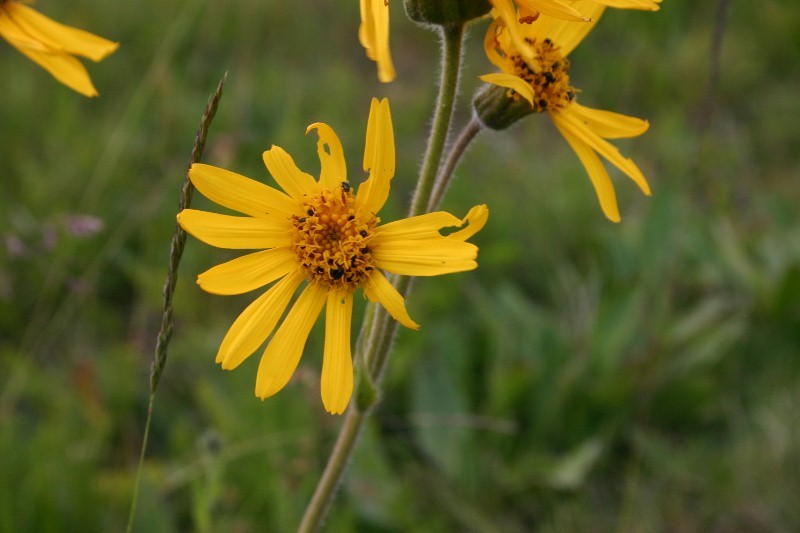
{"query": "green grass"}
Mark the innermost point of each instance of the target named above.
(587, 377)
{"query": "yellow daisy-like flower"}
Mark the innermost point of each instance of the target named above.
(321, 232)
(374, 36)
(53, 46)
(539, 74)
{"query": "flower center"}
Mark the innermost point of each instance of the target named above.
(547, 74)
(331, 239)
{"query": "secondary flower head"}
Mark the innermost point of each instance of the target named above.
(374, 36)
(53, 46)
(537, 71)
(324, 233)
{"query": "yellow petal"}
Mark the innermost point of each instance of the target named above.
(240, 193)
(336, 385)
(248, 272)
(237, 233)
(424, 257)
(649, 5)
(511, 81)
(11, 32)
(378, 289)
(597, 174)
(566, 121)
(608, 124)
(284, 350)
(64, 68)
(553, 8)
(256, 322)
(420, 226)
(475, 220)
(59, 37)
(373, 33)
(331, 156)
(379, 158)
(281, 165)
(566, 34)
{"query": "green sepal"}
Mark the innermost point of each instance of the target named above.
(446, 12)
(497, 110)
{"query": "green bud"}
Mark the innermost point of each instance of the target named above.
(496, 110)
(446, 12)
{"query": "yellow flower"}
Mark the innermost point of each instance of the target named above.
(538, 72)
(319, 231)
(52, 45)
(374, 36)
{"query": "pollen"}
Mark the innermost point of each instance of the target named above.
(332, 239)
(548, 74)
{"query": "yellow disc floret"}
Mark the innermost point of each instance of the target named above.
(331, 239)
(547, 74)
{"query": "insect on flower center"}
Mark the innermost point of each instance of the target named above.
(547, 73)
(331, 239)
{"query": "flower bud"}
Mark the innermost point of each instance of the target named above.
(497, 110)
(446, 12)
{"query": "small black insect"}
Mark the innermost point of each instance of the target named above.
(364, 250)
(337, 273)
(345, 186)
(363, 233)
(310, 212)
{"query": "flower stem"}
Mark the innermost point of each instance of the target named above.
(451, 67)
(381, 328)
(467, 135)
(175, 254)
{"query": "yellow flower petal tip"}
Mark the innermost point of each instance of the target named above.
(53, 46)
(324, 238)
(534, 69)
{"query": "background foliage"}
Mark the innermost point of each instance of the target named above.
(589, 376)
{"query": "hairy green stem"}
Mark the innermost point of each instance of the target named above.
(175, 254)
(381, 328)
(467, 135)
(451, 67)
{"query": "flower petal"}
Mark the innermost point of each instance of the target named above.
(284, 350)
(564, 33)
(64, 68)
(237, 233)
(336, 385)
(475, 220)
(597, 174)
(373, 33)
(566, 121)
(253, 326)
(240, 193)
(331, 156)
(608, 124)
(553, 8)
(650, 5)
(379, 158)
(420, 226)
(59, 37)
(424, 257)
(291, 179)
(248, 272)
(512, 82)
(378, 289)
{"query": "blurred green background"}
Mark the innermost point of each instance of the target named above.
(587, 377)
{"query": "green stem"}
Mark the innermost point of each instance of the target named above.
(175, 254)
(466, 137)
(451, 66)
(382, 328)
